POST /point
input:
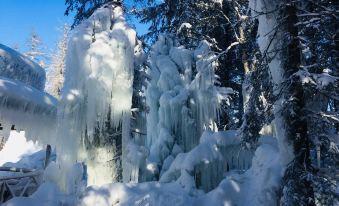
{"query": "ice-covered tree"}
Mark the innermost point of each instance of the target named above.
(55, 74)
(183, 101)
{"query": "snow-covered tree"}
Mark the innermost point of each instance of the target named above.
(84, 8)
(36, 50)
(56, 71)
(295, 38)
(317, 26)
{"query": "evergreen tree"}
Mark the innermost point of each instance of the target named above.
(301, 41)
(85, 8)
(297, 186)
(317, 27)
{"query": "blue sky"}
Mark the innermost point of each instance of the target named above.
(18, 18)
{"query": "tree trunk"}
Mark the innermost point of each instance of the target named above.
(297, 187)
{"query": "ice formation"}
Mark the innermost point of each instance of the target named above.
(97, 95)
(182, 98)
(23, 104)
(257, 186)
(217, 153)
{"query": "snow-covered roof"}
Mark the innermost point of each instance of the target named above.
(23, 102)
(25, 107)
(19, 96)
(14, 65)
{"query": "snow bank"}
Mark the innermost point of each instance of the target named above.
(98, 90)
(14, 65)
(150, 193)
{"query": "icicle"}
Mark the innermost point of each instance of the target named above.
(98, 91)
(181, 106)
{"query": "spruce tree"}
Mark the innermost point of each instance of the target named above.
(85, 8)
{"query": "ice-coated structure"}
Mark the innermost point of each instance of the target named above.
(96, 101)
(183, 101)
(23, 104)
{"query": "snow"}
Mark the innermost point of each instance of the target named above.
(184, 26)
(14, 65)
(268, 41)
(13, 90)
(22, 100)
(27, 108)
(209, 159)
(257, 186)
(321, 81)
(17, 148)
(47, 194)
(206, 151)
(100, 62)
(150, 193)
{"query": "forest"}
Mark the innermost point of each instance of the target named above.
(175, 102)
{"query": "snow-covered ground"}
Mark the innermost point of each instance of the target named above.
(254, 187)
(16, 149)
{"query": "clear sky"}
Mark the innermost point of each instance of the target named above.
(18, 18)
